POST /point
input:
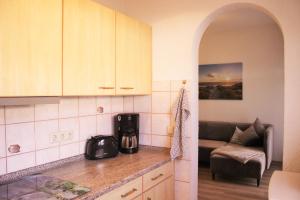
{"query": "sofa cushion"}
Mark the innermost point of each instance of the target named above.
(259, 127)
(210, 144)
(216, 130)
(247, 138)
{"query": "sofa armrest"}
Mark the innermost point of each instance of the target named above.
(268, 145)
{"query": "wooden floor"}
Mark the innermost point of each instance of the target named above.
(225, 188)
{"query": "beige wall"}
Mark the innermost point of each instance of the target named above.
(260, 49)
(177, 30)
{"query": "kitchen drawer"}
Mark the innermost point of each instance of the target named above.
(126, 192)
(157, 175)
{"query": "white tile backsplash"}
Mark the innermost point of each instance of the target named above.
(117, 105)
(46, 111)
(69, 150)
(145, 139)
(142, 104)
(87, 106)
(22, 135)
(182, 170)
(174, 96)
(161, 102)
(2, 119)
(80, 116)
(18, 114)
(68, 107)
(160, 123)
(70, 125)
(176, 85)
(105, 103)
(186, 148)
(128, 104)
(47, 155)
(87, 127)
(161, 141)
(2, 166)
(82, 147)
(43, 131)
(19, 162)
(2, 141)
(104, 124)
(145, 123)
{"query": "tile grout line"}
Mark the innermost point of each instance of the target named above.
(78, 107)
(59, 110)
(151, 127)
(5, 136)
(34, 132)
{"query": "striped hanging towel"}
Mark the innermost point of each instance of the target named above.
(180, 113)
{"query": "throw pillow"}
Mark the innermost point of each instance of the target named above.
(259, 127)
(246, 138)
(235, 139)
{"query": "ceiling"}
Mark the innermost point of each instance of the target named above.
(240, 18)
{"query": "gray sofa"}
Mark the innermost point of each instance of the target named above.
(216, 134)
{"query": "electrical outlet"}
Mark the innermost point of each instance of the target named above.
(54, 138)
(66, 135)
(61, 136)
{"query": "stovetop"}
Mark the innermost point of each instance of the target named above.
(41, 187)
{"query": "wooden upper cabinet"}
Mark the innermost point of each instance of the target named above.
(30, 48)
(133, 56)
(144, 69)
(88, 48)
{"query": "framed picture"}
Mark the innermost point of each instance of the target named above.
(221, 81)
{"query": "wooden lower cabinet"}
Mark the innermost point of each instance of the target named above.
(126, 192)
(162, 191)
(139, 198)
(157, 184)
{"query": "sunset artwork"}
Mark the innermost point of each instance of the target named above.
(221, 81)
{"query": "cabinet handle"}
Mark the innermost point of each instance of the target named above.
(128, 193)
(127, 88)
(156, 177)
(14, 148)
(107, 88)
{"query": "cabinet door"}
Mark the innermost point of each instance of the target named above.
(162, 191)
(89, 48)
(133, 58)
(127, 57)
(144, 68)
(31, 48)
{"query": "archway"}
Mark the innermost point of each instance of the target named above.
(227, 8)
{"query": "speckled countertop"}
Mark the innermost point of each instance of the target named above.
(102, 176)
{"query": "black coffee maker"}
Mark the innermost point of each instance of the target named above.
(127, 132)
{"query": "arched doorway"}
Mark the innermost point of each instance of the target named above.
(201, 33)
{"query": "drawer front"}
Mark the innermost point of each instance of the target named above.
(126, 192)
(138, 198)
(157, 175)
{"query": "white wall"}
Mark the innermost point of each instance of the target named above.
(177, 29)
(260, 49)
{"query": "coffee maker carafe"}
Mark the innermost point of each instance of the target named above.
(127, 132)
